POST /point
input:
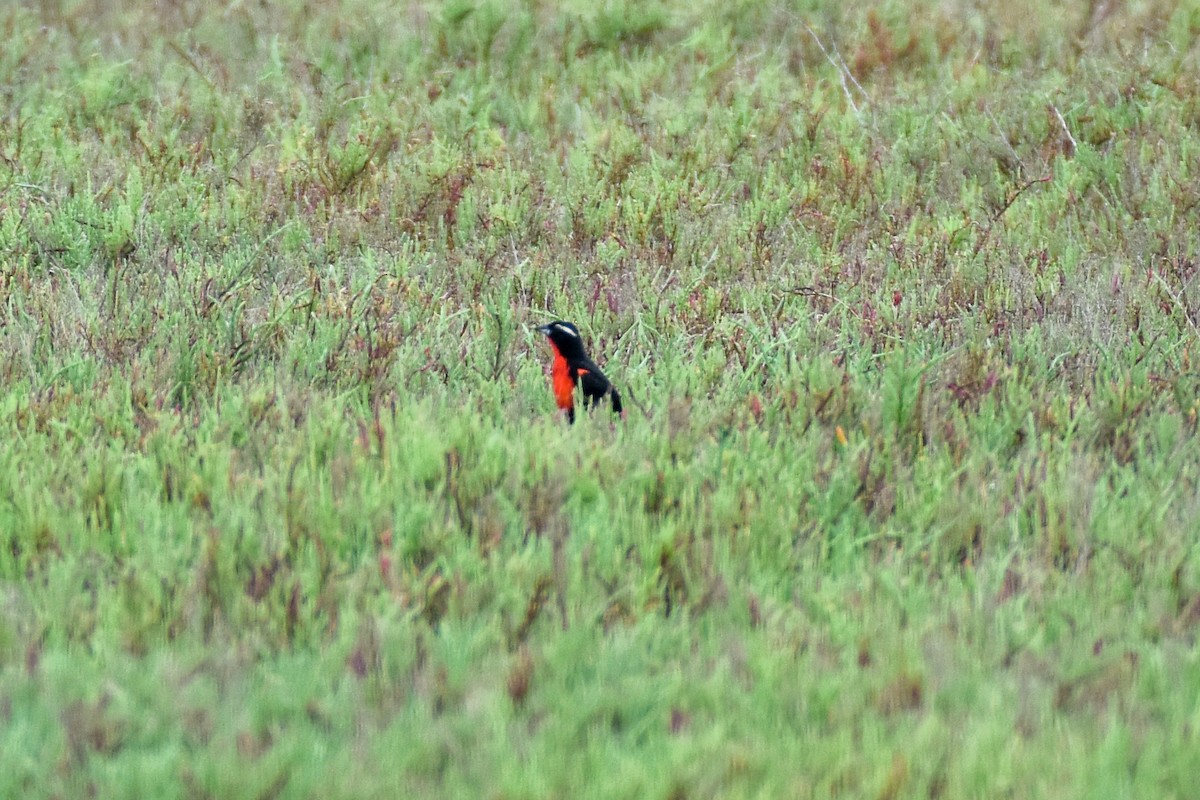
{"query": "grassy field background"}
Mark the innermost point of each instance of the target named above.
(906, 298)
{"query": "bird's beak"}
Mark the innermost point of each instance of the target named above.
(544, 329)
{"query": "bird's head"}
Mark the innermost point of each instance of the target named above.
(564, 336)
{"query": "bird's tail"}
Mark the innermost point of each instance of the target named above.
(618, 409)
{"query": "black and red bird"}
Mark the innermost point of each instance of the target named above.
(572, 368)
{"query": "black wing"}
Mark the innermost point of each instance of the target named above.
(596, 385)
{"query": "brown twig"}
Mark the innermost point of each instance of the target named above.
(987, 232)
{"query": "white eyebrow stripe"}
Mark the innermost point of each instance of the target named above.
(565, 329)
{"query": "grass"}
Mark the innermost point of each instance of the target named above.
(906, 295)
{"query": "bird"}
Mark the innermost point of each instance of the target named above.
(572, 367)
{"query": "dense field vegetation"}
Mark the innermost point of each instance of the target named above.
(905, 296)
